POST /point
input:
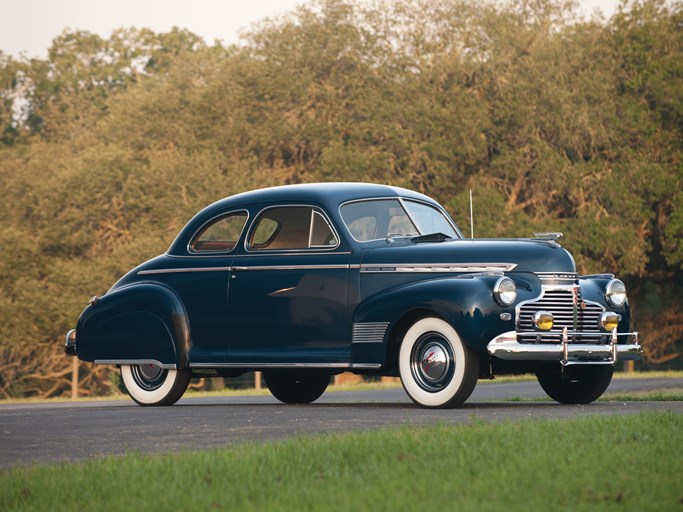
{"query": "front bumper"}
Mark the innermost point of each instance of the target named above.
(506, 346)
(70, 344)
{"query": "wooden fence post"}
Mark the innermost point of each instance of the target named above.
(74, 378)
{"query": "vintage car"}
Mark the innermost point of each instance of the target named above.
(303, 282)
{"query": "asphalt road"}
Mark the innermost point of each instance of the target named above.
(54, 432)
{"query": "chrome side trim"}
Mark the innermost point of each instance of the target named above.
(294, 267)
(290, 252)
(369, 332)
(506, 346)
(375, 268)
(136, 361)
(179, 270)
(270, 365)
(366, 365)
(242, 268)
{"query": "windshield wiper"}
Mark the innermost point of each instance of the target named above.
(431, 237)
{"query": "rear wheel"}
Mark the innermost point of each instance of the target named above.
(296, 388)
(437, 369)
(577, 384)
(149, 384)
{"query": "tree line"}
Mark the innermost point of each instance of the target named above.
(554, 121)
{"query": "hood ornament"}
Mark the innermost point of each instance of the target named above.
(547, 236)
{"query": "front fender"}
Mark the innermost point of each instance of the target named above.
(593, 289)
(142, 321)
(465, 302)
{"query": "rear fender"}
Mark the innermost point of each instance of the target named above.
(139, 322)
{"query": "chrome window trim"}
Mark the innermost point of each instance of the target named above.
(207, 224)
(400, 199)
(296, 251)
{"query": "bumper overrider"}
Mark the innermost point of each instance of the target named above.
(506, 346)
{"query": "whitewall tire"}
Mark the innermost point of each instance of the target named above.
(149, 384)
(437, 369)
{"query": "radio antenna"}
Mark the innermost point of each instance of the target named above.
(471, 217)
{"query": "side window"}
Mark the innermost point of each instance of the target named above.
(321, 233)
(221, 235)
(292, 227)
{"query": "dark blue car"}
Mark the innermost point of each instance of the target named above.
(306, 281)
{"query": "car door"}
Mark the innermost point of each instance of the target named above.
(288, 295)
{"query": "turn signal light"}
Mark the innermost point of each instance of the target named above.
(609, 321)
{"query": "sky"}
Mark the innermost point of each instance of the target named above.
(28, 26)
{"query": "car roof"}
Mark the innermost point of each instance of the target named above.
(324, 193)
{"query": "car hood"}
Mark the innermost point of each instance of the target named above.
(477, 255)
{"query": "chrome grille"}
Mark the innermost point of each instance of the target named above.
(560, 302)
(555, 278)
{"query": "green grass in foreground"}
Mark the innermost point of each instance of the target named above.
(653, 395)
(592, 463)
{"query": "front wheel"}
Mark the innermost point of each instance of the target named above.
(577, 384)
(149, 384)
(437, 369)
(296, 388)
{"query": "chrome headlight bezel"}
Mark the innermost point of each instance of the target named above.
(505, 291)
(615, 293)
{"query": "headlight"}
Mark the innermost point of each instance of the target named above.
(505, 291)
(615, 293)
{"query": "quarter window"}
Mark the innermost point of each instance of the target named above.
(221, 235)
(292, 227)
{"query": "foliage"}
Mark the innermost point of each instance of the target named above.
(556, 124)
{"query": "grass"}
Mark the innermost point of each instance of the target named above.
(591, 463)
(653, 395)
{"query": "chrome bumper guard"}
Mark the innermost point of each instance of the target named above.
(507, 347)
(70, 344)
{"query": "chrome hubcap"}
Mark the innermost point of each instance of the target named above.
(432, 363)
(148, 376)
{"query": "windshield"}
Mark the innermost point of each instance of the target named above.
(379, 218)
